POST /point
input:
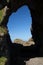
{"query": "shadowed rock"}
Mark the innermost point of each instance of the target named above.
(36, 9)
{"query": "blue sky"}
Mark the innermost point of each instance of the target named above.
(19, 24)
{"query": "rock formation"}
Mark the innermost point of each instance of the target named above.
(36, 9)
(24, 43)
(4, 41)
(19, 41)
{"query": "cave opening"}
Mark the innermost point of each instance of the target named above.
(19, 24)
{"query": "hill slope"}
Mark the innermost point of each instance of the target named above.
(24, 43)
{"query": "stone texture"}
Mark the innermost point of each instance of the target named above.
(35, 61)
(36, 9)
(24, 43)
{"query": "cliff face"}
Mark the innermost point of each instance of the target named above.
(36, 14)
(36, 9)
(4, 41)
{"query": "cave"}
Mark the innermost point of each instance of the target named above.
(36, 9)
(19, 24)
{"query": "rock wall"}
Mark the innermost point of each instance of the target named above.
(36, 9)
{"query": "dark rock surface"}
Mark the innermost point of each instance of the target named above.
(4, 41)
(36, 9)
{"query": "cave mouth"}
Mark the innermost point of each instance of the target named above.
(19, 24)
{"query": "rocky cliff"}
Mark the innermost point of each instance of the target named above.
(25, 43)
(36, 9)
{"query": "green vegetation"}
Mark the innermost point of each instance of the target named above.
(3, 30)
(2, 60)
(1, 15)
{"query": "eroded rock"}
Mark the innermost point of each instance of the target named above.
(36, 8)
